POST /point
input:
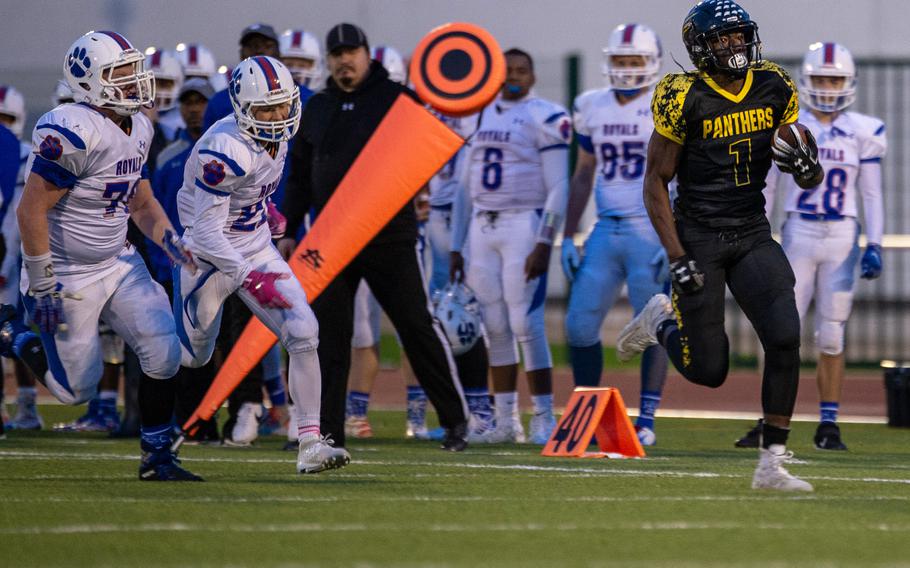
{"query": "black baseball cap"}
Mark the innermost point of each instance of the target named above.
(345, 35)
(196, 85)
(264, 30)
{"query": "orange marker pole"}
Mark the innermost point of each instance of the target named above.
(378, 185)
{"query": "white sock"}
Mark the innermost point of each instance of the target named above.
(107, 395)
(543, 403)
(777, 449)
(305, 385)
(506, 406)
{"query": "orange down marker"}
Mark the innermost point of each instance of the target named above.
(408, 147)
(593, 412)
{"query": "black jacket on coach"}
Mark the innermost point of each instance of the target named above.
(333, 130)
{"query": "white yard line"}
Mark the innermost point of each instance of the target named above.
(669, 525)
(564, 470)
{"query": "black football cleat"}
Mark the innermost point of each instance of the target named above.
(827, 437)
(752, 437)
(456, 438)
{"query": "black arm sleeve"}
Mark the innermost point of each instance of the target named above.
(297, 192)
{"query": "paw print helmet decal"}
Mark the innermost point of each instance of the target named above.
(104, 69)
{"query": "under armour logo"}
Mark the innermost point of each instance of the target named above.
(347, 106)
(142, 145)
(313, 258)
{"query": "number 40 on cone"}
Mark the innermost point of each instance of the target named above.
(594, 412)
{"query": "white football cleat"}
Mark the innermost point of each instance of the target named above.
(641, 332)
(770, 473)
(319, 455)
(646, 436)
(541, 427)
(246, 429)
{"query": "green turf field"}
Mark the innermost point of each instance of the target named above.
(73, 500)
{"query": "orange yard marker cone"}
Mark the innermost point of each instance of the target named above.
(592, 412)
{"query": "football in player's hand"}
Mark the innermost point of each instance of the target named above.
(785, 133)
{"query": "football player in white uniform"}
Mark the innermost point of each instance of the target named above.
(168, 71)
(12, 115)
(515, 188)
(224, 206)
(613, 127)
(87, 177)
(821, 233)
(302, 55)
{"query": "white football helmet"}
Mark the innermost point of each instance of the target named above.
(393, 62)
(632, 39)
(62, 93)
(299, 44)
(197, 61)
(264, 81)
(12, 104)
(88, 67)
(828, 60)
(166, 66)
(458, 311)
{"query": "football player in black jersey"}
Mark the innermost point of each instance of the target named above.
(713, 130)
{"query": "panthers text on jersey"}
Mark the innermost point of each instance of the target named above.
(222, 203)
(444, 184)
(75, 147)
(849, 141)
(617, 135)
(726, 140)
(504, 154)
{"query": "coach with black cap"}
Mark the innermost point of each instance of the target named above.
(255, 39)
(336, 124)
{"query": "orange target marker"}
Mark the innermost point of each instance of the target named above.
(458, 69)
(376, 186)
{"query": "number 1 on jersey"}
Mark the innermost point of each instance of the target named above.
(742, 149)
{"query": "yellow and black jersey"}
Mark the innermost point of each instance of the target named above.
(726, 139)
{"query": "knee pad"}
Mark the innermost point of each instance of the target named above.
(301, 334)
(160, 358)
(830, 337)
(502, 349)
(581, 329)
(536, 352)
(710, 374)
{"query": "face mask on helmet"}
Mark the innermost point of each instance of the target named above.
(458, 311)
(827, 78)
(721, 38)
(263, 84)
(632, 58)
(105, 70)
(302, 55)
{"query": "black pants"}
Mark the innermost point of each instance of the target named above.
(395, 277)
(761, 280)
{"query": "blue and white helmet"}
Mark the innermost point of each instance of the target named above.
(393, 62)
(296, 45)
(166, 66)
(88, 67)
(632, 39)
(264, 81)
(458, 311)
(12, 104)
(827, 60)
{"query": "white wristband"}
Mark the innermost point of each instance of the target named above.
(548, 226)
(40, 270)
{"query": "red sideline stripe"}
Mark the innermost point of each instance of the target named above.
(297, 38)
(380, 55)
(829, 54)
(627, 33)
(270, 74)
(193, 54)
(2, 93)
(121, 41)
